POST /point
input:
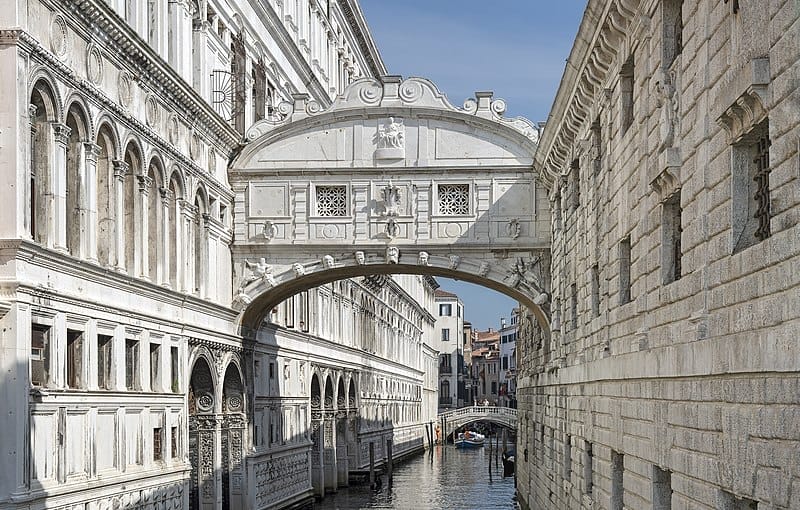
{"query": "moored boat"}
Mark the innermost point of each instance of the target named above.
(509, 457)
(469, 439)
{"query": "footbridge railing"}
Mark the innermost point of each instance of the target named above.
(505, 416)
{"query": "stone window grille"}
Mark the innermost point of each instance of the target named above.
(671, 230)
(74, 358)
(588, 469)
(751, 197)
(453, 199)
(626, 82)
(158, 453)
(40, 355)
(662, 489)
(625, 271)
(104, 343)
(617, 474)
(595, 277)
(331, 201)
(672, 30)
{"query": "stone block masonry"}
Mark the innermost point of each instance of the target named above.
(678, 384)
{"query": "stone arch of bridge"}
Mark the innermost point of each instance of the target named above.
(391, 178)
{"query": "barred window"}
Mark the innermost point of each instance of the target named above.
(751, 197)
(453, 199)
(331, 201)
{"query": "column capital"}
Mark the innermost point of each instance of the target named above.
(120, 169)
(92, 151)
(61, 133)
(144, 183)
(32, 108)
(165, 195)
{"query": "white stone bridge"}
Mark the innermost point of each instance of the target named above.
(456, 418)
(391, 178)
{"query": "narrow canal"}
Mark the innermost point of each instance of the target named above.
(447, 479)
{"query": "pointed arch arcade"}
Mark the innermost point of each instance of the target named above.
(390, 179)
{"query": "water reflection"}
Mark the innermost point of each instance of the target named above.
(447, 479)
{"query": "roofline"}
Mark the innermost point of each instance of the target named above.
(358, 23)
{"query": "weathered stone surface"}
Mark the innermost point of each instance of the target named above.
(700, 375)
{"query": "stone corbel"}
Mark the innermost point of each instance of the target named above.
(667, 180)
(742, 100)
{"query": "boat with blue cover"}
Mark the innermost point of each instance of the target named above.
(469, 439)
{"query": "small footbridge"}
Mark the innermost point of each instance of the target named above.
(505, 416)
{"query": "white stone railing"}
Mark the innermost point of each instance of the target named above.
(502, 415)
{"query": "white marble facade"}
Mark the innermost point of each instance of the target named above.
(125, 381)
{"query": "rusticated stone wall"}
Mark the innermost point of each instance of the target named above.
(671, 375)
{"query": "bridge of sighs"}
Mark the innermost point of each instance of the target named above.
(391, 178)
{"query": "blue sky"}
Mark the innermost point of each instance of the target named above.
(516, 48)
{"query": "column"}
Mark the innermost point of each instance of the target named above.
(180, 245)
(120, 170)
(209, 287)
(342, 461)
(57, 227)
(144, 220)
(317, 473)
(165, 230)
(329, 451)
(28, 191)
(200, 81)
(89, 242)
(189, 257)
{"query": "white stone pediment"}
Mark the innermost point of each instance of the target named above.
(358, 143)
(391, 123)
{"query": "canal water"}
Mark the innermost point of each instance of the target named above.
(446, 479)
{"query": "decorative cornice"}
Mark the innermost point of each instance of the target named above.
(121, 40)
(394, 92)
(605, 26)
(355, 19)
(92, 93)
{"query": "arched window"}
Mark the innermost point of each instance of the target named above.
(154, 219)
(106, 220)
(77, 201)
(133, 166)
(201, 266)
(173, 232)
(42, 113)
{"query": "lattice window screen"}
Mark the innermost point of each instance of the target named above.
(331, 201)
(453, 199)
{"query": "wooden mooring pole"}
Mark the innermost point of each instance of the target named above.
(372, 464)
(389, 464)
